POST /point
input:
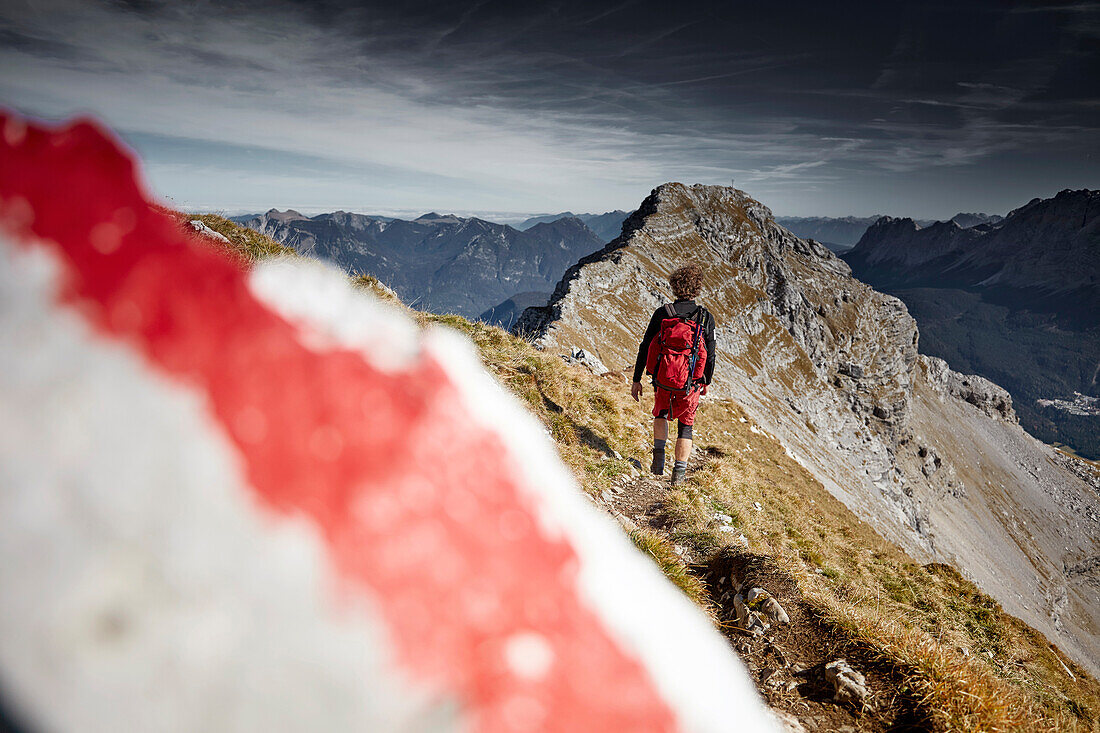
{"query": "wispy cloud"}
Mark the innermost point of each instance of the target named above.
(473, 108)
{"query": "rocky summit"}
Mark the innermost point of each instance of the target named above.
(934, 460)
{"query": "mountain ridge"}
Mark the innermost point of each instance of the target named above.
(442, 262)
(831, 367)
(606, 226)
(942, 653)
(842, 233)
(1047, 249)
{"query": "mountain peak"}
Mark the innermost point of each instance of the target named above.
(433, 217)
(570, 221)
(967, 220)
(284, 216)
(1044, 252)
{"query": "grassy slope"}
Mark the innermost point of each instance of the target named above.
(243, 241)
(915, 618)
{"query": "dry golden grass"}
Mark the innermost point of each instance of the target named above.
(664, 554)
(377, 288)
(249, 244)
(974, 667)
(917, 618)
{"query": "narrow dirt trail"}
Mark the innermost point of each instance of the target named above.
(786, 661)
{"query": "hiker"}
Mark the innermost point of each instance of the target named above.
(678, 352)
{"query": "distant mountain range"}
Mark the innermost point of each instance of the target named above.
(440, 263)
(606, 226)
(838, 234)
(1015, 300)
(841, 233)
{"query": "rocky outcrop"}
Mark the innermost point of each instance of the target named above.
(201, 228)
(934, 460)
(849, 686)
(978, 391)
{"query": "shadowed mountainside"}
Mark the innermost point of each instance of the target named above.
(1017, 302)
(440, 263)
(840, 234)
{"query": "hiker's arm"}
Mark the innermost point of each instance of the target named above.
(708, 336)
(643, 350)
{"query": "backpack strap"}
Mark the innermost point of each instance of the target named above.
(669, 310)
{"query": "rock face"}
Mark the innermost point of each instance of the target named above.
(1016, 301)
(978, 391)
(440, 263)
(1046, 253)
(934, 460)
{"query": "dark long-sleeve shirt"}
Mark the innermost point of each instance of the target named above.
(682, 308)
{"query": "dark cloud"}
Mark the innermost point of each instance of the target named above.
(816, 107)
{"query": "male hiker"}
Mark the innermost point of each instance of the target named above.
(678, 352)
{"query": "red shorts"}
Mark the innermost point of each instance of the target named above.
(676, 406)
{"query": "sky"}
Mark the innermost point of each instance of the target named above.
(506, 109)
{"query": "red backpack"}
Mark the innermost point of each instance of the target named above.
(678, 356)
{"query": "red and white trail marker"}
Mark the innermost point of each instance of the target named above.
(237, 499)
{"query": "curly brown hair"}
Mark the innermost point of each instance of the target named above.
(686, 281)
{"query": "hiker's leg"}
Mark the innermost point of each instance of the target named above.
(685, 419)
(683, 442)
(660, 428)
(683, 449)
(660, 435)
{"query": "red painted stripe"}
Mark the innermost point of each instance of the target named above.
(414, 501)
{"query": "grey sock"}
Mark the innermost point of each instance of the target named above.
(680, 464)
(658, 446)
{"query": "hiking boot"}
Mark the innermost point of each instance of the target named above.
(658, 465)
(679, 473)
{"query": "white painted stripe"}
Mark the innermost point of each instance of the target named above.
(335, 312)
